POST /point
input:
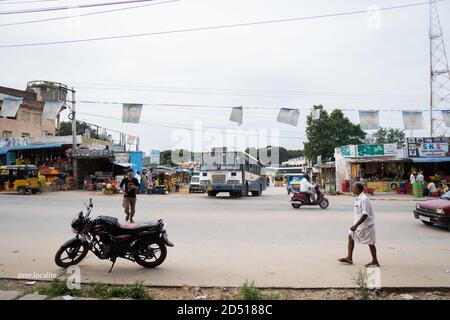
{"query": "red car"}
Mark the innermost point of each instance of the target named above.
(434, 212)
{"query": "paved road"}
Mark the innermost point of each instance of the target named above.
(223, 241)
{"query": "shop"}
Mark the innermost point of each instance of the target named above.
(431, 157)
(327, 177)
(382, 168)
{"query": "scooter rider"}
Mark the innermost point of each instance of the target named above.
(307, 187)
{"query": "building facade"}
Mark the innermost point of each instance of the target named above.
(28, 120)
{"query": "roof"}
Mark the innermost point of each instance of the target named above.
(4, 150)
(378, 160)
(20, 166)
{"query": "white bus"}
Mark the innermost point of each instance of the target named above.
(235, 172)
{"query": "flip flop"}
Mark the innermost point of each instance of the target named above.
(345, 260)
(372, 265)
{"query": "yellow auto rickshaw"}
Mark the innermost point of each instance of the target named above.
(279, 180)
(19, 178)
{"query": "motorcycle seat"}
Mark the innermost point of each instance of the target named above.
(138, 227)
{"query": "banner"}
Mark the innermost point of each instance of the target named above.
(10, 106)
(52, 109)
(369, 120)
(446, 116)
(288, 116)
(427, 147)
(131, 139)
(131, 113)
(237, 115)
(413, 120)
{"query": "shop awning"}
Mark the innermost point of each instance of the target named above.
(429, 160)
(378, 160)
(32, 147)
(124, 164)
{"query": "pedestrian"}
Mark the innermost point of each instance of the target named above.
(363, 229)
(433, 190)
(130, 186)
(420, 178)
(412, 178)
(144, 183)
(139, 179)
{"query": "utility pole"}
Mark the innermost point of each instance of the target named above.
(74, 140)
(439, 75)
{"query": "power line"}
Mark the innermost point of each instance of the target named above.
(236, 25)
(3, 2)
(177, 126)
(174, 105)
(80, 6)
(83, 14)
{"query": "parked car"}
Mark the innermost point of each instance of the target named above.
(195, 185)
(434, 212)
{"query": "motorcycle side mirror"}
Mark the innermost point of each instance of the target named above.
(90, 203)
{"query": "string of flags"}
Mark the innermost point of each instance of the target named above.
(131, 113)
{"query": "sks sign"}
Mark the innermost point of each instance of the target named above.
(428, 147)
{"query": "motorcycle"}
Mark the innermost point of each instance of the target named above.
(299, 199)
(143, 243)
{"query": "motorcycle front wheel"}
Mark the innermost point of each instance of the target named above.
(150, 254)
(324, 204)
(70, 255)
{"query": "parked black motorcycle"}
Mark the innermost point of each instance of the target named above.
(142, 243)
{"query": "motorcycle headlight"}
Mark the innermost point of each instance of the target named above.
(440, 211)
(417, 206)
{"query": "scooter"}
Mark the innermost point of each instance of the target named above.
(299, 199)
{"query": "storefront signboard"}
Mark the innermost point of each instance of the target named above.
(377, 150)
(348, 151)
(437, 147)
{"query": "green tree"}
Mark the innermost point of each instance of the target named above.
(388, 135)
(65, 129)
(329, 132)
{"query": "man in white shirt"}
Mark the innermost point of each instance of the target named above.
(363, 229)
(308, 187)
(420, 178)
(412, 178)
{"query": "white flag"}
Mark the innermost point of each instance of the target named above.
(237, 115)
(10, 106)
(413, 120)
(369, 120)
(315, 113)
(288, 116)
(52, 109)
(446, 116)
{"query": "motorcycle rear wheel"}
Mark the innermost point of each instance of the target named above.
(70, 255)
(296, 205)
(150, 254)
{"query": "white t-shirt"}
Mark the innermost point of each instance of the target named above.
(432, 187)
(363, 207)
(412, 179)
(305, 185)
(420, 178)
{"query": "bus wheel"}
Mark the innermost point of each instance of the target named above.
(244, 192)
(257, 193)
(211, 194)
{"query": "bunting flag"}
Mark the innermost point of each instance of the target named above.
(237, 115)
(10, 106)
(288, 116)
(369, 120)
(315, 113)
(131, 113)
(52, 109)
(413, 120)
(446, 116)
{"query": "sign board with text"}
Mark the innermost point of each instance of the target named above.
(437, 147)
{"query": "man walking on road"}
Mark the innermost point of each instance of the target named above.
(130, 186)
(363, 229)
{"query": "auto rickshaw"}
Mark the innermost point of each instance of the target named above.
(279, 181)
(19, 178)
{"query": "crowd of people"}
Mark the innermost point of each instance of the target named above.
(434, 187)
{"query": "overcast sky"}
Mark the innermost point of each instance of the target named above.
(349, 62)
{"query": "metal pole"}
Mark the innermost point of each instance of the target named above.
(74, 140)
(431, 71)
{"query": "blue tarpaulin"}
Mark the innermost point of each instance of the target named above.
(425, 160)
